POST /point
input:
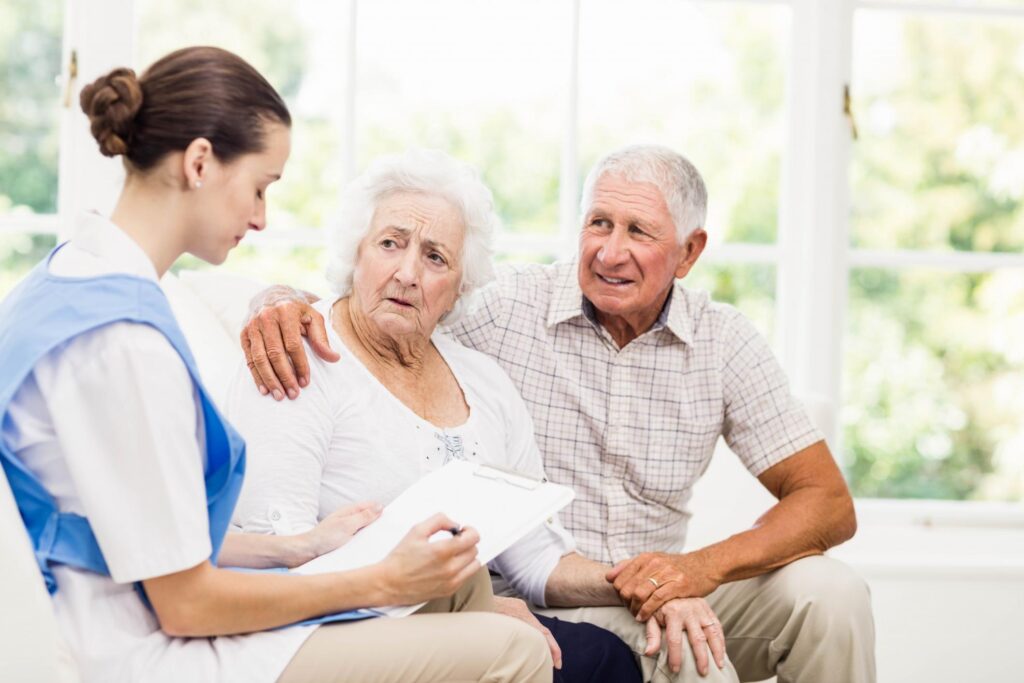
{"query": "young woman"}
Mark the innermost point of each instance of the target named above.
(126, 474)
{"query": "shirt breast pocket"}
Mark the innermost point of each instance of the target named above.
(675, 458)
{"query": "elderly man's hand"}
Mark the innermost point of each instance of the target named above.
(649, 580)
(703, 630)
(272, 340)
(517, 609)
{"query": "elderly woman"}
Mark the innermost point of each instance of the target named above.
(404, 399)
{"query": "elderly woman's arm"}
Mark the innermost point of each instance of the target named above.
(261, 551)
(278, 510)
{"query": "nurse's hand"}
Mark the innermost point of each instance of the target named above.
(337, 528)
(279, 317)
(419, 569)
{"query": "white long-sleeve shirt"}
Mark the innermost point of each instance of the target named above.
(346, 439)
(110, 424)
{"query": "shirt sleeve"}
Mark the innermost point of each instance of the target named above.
(764, 424)
(527, 564)
(124, 409)
(286, 447)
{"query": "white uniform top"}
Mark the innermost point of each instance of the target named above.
(111, 425)
(346, 438)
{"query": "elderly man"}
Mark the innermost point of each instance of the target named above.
(630, 379)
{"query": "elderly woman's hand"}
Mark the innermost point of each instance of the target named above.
(272, 340)
(338, 528)
(419, 569)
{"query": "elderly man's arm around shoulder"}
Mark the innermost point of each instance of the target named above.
(814, 512)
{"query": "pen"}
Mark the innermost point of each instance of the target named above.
(455, 530)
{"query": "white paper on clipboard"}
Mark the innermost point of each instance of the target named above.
(502, 506)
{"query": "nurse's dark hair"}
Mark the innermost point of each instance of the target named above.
(195, 92)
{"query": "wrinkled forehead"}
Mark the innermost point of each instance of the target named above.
(430, 217)
(617, 195)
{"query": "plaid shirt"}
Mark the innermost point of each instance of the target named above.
(632, 429)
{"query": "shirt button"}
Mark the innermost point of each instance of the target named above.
(275, 516)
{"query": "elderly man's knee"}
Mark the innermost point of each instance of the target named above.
(827, 589)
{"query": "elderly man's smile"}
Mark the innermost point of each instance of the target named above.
(614, 281)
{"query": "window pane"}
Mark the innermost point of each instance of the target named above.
(935, 384)
(30, 33)
(482, 81)
(748, 287)
(20, 253)
(940, 159)
(707, 79)
(296, 46)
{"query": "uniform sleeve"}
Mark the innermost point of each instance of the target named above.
(124, 409)
(526, 565)
(764, 424)
(286, 445)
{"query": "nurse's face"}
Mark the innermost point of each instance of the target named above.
(232, 200)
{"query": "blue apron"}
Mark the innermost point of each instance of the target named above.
(45, 311)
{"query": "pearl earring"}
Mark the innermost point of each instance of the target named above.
(198, 184)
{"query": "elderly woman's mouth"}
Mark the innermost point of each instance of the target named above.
(400, 302)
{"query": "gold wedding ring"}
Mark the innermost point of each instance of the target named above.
(653, 580)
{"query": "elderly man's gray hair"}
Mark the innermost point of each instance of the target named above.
(678, 180)
(428, 172)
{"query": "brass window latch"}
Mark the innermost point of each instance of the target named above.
(71, 78)
(848, 110)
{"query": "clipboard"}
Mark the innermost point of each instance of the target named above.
(502, 505)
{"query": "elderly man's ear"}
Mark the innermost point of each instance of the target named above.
(692, 250)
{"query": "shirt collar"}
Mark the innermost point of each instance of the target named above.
(100, 237)
(568, 302)
(567, 298)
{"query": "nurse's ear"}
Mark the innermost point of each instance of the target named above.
(196, 161)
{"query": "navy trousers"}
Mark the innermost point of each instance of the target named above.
(591, 654)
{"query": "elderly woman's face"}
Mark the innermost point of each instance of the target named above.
(409, 267)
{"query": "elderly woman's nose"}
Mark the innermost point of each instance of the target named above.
(408, 271)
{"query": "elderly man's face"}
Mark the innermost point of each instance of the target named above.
(409, 268)
(629, 252)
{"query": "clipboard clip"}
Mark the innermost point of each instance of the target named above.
(509, 476)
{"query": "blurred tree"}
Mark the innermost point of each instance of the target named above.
(935, 388)
(30, 33)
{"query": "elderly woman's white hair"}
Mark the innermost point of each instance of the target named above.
(429, 172)
(679, 181)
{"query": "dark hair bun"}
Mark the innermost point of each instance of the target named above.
(111, 103)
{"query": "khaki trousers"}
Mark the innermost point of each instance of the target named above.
(808, 622)
(435, 644)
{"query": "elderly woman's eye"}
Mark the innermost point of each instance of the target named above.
(387, 243)
(437, 258)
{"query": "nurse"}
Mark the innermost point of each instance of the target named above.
(126, 474)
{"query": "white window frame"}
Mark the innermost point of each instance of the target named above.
(812, 254)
